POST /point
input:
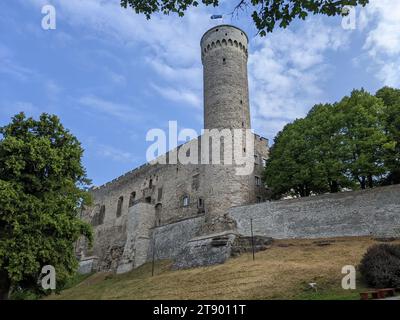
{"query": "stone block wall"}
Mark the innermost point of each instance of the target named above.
(171, 238)
(358, 213)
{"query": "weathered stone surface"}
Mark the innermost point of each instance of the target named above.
(359, 213)
(169, 239)
(243, 244)
(88, 265)
(204, 251)
(141, 219)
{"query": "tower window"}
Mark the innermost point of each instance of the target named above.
(132, 198)
(256, 159)
(200, 205)
(264, 162)
(119, 206)
(241, 101)
(151, 183)
(185, 201)
(258, 181)
(102, 214)
(98, 218)
(224, 60)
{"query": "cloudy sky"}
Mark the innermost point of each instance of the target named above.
(111, 75)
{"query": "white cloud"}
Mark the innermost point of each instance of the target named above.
(10, 108)
(171, 43)
(287, 70)
(110, 152)
(381, 20)
(10, 67)
(115, 154)
(121, 112)
(180, 96)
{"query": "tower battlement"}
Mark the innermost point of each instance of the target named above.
(223, 36)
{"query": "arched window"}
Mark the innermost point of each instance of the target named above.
(158, 214)
(132, 199)
(98, 217)
(200, 205)
(102, 214)
(119, 206)
(185, 201)
(151, 183)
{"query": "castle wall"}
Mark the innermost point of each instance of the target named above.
(357, 213)
(141, 218)
(170, 239)
(217, 186)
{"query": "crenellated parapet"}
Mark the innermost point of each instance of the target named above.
(224, 36)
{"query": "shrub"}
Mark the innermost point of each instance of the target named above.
(380, 266)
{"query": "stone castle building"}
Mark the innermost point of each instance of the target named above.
(200, 214)
(130, 209)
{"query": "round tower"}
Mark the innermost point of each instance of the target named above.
(226, 94)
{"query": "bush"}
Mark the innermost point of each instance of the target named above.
(380, 266)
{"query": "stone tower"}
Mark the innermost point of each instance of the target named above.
(226, 106)
(226, 94)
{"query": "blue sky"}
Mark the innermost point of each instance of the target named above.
(111, 75)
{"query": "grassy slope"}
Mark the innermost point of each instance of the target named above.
(281, 272)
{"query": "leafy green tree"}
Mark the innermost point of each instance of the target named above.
(290, 168)
(327, 147)
(364, 137)
(42, 188)
(351, 144)
(266, 14)
(391, 99)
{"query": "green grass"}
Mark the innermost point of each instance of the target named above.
(281, 272)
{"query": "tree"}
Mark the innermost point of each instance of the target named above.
(266, 13)
(42, 187)
(326, 142)
(290, 168)
(391, 99)
(348, 145)
(363, 136)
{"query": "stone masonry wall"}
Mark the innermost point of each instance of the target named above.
(170, 239)
(358, 213)
(141, 219)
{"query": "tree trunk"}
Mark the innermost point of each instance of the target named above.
(334, 186)
(362, 182)
(370, 181)
(5, 285)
